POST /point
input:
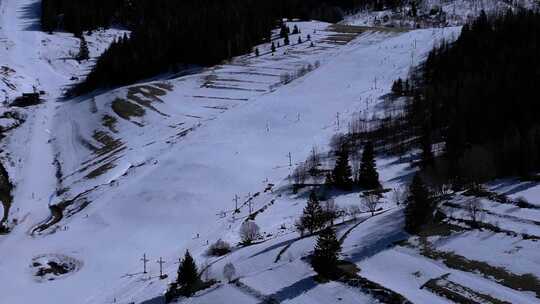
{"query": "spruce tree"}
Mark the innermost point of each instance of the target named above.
(419, 205)
(428, 158)
(326, 254)
(273, 48)
(341, 175)
(368, 178)
(84, 53)
(397, 87)
(188, 275)
(286, 40)
(313, 215)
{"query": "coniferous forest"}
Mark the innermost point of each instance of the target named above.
(166, 34)
(477, 95)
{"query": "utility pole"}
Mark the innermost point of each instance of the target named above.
(144, 260)
(235, 199)
(290, 159)
(250, 203)
(161, 262)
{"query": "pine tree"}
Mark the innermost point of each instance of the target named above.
(368, 178)
(397, 87)
(84, 53)
(428, 157)
(296, 30)
(326, 254)
(419, 205)
(341, 175)
(299, 39)
(273, 48)
(284, 31)
(257, 52)
(188, 275)
(313, 215)
(286, 40)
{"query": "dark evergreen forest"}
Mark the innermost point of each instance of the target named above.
(167, 34)
(478, 96)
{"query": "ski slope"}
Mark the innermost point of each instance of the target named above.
(153, 169)
(164, 177)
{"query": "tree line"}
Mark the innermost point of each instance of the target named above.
(168, 36)
(476, 96)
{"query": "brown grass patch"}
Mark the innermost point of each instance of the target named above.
(100, 170)
(126, 109)
(109, 122)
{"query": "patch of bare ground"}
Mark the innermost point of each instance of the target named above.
(108, 143)
(101, 170)
(109, 122)
(145, 95)
(500, 275)
(127, 110)
(349, 275)
(458, 293)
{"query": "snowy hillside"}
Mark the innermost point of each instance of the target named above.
(154, 169)
(436, 13)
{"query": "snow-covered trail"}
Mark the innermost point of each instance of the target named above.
(35, 178)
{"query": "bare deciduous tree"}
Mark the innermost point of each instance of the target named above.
(398, 195)
(249, 231)
(354, 211)
(370, 202)
(474, 210)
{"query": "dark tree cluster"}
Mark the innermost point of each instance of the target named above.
(365, 176)
(316, 217)
(76, 16)
(168, 35)
(477, 96)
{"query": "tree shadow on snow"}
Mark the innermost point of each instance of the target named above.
(292, 291)
(30, 16)
(387, 231)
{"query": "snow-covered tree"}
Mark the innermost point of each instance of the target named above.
(229, 271)
(249, 231)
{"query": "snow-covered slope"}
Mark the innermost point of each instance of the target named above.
(153, 169)
(145, 169)
(436, 13)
